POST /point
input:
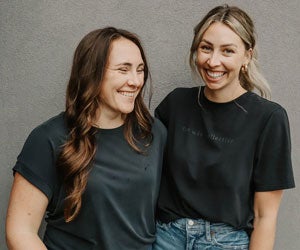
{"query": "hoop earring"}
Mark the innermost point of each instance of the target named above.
(244, 68)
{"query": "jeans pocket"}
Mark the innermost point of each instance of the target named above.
(163, 226)
(231, 239)
(164, 234)
(169, 237)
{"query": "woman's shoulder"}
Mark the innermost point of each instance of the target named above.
(183, 92)
(53, 128)
(264, 105)
(266, 109)
(179, 96)
(158, 127)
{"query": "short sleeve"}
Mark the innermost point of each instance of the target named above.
(273, 166)
(162, 110)
(36, 161)
(162, 135)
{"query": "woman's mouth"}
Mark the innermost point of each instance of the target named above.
(126, 93)
(215, 74)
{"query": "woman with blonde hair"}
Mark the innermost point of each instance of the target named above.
(224, 174)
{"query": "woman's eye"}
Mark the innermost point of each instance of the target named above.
(141, 70)
(229, 51)
(123, 70)
(205, 48)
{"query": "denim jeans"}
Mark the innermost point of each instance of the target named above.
(191, 234)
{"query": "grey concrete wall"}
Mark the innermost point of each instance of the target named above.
(38, 37)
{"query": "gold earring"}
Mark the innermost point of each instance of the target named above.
(245, 68)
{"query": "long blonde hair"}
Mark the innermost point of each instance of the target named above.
(238, 21)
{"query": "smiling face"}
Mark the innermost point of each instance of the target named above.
(220, 56)
(122, 82)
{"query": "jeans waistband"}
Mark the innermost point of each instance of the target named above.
(199, 232)
(201, 224)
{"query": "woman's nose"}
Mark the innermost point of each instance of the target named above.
(214, 59)
(135, 80)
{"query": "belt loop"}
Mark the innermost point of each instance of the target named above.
(207, 230)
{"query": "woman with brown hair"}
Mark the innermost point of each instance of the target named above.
(95, 168)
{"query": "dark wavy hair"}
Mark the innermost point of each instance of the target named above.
(82, 107)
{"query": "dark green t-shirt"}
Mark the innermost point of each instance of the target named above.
(219, 154)
(118, 206)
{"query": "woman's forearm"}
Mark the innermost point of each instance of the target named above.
(263, 235)
(26, 208)
(266, 206)
(24, 240)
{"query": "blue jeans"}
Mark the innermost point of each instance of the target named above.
(191, 234)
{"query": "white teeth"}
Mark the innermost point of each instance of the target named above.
(215, 74)
(129, 94)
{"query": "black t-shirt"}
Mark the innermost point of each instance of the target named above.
(219, 154)
(118, 206)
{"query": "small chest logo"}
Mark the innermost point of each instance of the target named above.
(210, 136)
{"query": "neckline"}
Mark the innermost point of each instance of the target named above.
(110, 130)
(209, 102)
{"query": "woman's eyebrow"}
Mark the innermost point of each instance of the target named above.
(223, 45)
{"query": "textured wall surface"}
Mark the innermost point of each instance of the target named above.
(38, 38)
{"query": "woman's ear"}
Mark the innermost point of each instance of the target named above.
(249, 54)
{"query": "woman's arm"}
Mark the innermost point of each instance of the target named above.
(266, 206)
(27, 206)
